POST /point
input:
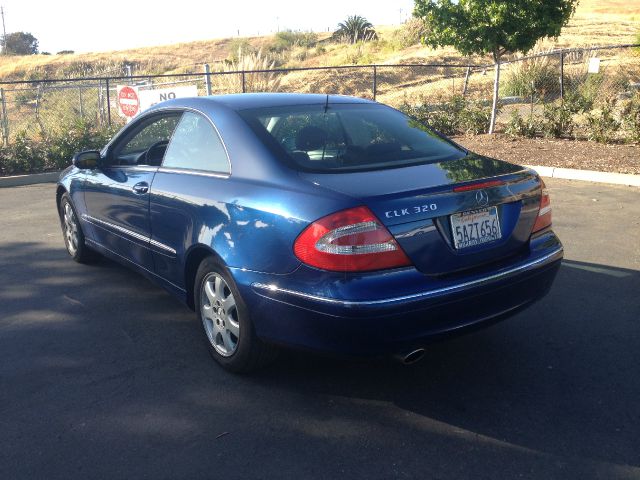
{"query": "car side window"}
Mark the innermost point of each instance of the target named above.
(147, 143)
(196, 145)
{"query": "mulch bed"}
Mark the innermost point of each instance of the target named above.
(580, 154)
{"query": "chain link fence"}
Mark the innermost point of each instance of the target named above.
(41, 108)
(583, 77)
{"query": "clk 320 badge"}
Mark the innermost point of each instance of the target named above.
(411, 210)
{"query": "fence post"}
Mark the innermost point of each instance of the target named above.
(81, 104)
(207, 78)
(375, 81)
(5, 121)
(39, 95)
(496, 91)
(466, 82)
(99, 105)
(562, 76)
(533, 97)
(244, 83)
(106, 80)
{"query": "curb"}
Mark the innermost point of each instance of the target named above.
(627, 179)
(19, 180)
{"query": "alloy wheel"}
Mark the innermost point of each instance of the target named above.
(70, 229)
(219, 314)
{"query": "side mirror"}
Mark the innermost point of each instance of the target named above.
(89, 159)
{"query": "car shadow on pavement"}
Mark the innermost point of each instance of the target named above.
(559, 380)
(96, 360)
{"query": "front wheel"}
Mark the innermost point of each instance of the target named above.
(226, 320)
(72, 232)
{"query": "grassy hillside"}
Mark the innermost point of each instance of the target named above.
(624, 8)
(597, 22)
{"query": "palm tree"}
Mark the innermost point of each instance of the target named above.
(355, 29)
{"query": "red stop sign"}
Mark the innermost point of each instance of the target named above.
(128, 101)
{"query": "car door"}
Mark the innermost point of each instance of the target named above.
(183, 206)
(117, 192)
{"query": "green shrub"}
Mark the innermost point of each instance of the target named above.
(445, 120)
(602, 125)
(557, 120)
(631, 118)
(24, 155)
(456, 115)
(409, 34)
(518, 126)
(576, 102)
(590, 90)
(28, 154)
(288, 39)
(475, 118)
(584, 90)
(81, 135)
(239, 47)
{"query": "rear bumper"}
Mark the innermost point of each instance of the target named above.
(393, 311)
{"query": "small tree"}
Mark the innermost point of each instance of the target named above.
(355, 29)
(20, 43)
(493, 27)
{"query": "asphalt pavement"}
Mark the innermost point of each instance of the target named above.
(104, 375)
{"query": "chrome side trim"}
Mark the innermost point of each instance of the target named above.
(137, 236)
(135, 168)
(187, 171)
(415, 296)
(162, 246)
(118, 228)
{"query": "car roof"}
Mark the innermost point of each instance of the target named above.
(242, 101)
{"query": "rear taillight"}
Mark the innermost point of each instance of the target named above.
(544, 213)
(352, 240)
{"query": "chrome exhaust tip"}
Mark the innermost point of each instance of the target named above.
(412, 357)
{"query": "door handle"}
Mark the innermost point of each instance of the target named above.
(141, 187)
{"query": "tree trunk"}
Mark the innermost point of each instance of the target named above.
(496, 86)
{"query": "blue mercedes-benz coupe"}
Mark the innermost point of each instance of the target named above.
(329, 223)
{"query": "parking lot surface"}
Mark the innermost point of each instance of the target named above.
(104, 375)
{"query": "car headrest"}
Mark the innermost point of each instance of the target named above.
(310, 138)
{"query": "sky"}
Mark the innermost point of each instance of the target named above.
(90, 26)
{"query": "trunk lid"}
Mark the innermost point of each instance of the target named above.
(416, 204)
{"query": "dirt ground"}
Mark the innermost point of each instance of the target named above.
(578, 154)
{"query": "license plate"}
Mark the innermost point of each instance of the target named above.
(475, 227)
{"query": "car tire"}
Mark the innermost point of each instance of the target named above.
(226, 320)
(72, 233)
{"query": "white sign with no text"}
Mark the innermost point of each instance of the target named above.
(149, 98)
(594, 65)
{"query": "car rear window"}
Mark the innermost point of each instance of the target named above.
(347, 137)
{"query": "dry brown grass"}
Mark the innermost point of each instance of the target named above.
(253, 82)
(621, 8)
(597, 22)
